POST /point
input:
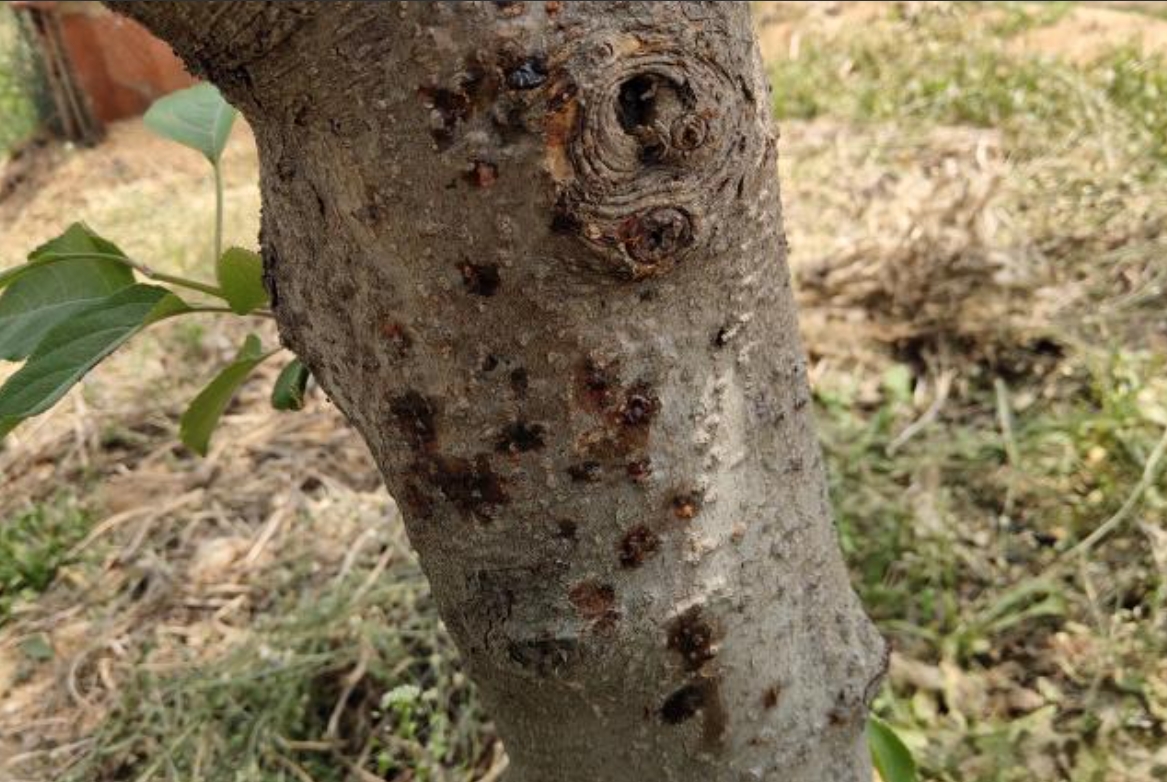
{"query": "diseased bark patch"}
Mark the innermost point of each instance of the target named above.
(481, 174)
(639, 470)
(471, 485)
(640, 405)
(596, 382)
(416, 416)
(586, 472)
(510, 8)
(520, 382)
(654, 236)
(449, 107)
(625, 418)
(685, 505)
(417, 501)
(543, 656)
(683, 704)
(595, 602)
(637, 545)
(520, 437)
(700, 696)
(691, 636)
(528, 74)
(397, 336)
(473, 90)
(722, 337)
(480, 279)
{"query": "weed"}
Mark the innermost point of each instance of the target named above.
(34, 544)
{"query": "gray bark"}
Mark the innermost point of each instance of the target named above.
(534, 252)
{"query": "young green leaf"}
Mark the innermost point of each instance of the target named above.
(288, 392)
(72, 348)
(78, 238)
(240, 274)
(892, 759)
(199, 420)
(52, 290)
(9, 275)
(50, 294)
(196, 117)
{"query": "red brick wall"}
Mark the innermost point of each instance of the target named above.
(119, 66)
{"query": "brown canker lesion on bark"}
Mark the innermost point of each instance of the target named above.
(639, 471)
(638, 545)
(595, 383)
(566, 529)
(520, 382)
(586, 472)
(481, 173)
(397, 335)
(470, 484)
(770, 696)
(685, 504)
(701, 696)
(692, 637)
(480, 279)
(416, 417)
(595, 603)
(449, 106)
(622, 417)
(520, 437)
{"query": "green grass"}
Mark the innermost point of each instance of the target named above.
(1041, 667)
(953, 65)
(1017, 17)
(18, 111)
(34, 544)
(955, 549)
(1154, 10)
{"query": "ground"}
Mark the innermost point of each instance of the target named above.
(976, 198)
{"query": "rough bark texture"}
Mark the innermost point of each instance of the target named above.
(534, 252)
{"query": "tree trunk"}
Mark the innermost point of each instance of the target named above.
(534, 252)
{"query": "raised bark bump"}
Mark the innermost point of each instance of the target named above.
(649, 130)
